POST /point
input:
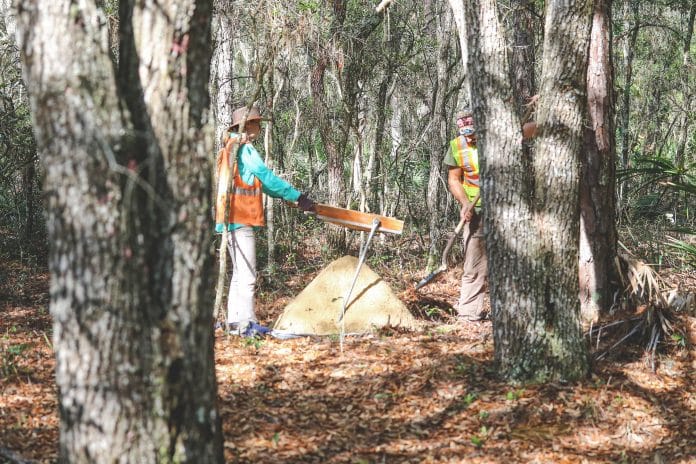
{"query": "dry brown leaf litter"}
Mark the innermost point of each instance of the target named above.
(424, 397)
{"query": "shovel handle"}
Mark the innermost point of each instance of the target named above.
(448, 246)
(457, 230)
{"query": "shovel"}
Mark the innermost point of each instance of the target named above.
(448, 246)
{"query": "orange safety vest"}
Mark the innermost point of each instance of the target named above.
(246, 201)
(466, 158)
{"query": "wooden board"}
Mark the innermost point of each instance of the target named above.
(358, 221)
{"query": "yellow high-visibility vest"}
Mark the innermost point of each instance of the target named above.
(466, 158)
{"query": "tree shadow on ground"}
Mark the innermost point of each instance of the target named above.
(434, 398)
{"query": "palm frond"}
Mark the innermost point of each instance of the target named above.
(684, 247)
(644, 288)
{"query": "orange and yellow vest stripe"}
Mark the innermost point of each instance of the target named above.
(466, 158)
(245, 201)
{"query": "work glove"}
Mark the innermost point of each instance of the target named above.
(306, 204)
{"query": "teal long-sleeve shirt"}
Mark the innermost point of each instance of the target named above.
(251, 165)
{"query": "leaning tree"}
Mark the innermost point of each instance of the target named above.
(126, 151)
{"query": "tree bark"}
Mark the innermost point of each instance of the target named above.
(336, 236)
(28, 183)
(460, 20)
(443, 17)
(598, 180)
(561, 116)
(522, 70)
(8, 21)
(127, 156)
(624, 117)
(686, 53)
(679, 157)
(532, 234)
(222, 70)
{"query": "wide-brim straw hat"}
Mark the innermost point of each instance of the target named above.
(252, 114)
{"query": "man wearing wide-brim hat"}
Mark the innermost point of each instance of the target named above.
(244, 204)
(251, 114)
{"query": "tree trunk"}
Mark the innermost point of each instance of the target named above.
(460, 20)
(524, 84)
(222, 70)
(624, 117)
(679, 157)
(336, 236)
(523, 54)
(270, 161)
(598, 179)
(376, 171)
(689, 34)
(127, 158)
(28, 182)
(531, 236)
(561, 116)
(7, 17)
(442, 123)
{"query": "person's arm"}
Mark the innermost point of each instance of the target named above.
(454, 182)
(273, 185)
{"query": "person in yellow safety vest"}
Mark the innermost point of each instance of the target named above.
(244, 206)
(464, 183)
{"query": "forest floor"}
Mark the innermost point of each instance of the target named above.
(429, 396)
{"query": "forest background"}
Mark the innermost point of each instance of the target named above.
(361, 109)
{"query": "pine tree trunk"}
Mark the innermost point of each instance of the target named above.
(625, 115)
(532, 235)
(441, 124)
(598, 178)
(127, 158)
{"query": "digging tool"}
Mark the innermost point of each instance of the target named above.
(361, 260)
(363, 252)
(448, 246)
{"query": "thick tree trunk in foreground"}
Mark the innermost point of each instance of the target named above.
(561, 117)
(532, 235)
(128, 179)
(598, 178)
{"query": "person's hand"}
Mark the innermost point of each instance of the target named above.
(306, 204)
(466, 213)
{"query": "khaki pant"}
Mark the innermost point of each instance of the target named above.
(474, 278)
